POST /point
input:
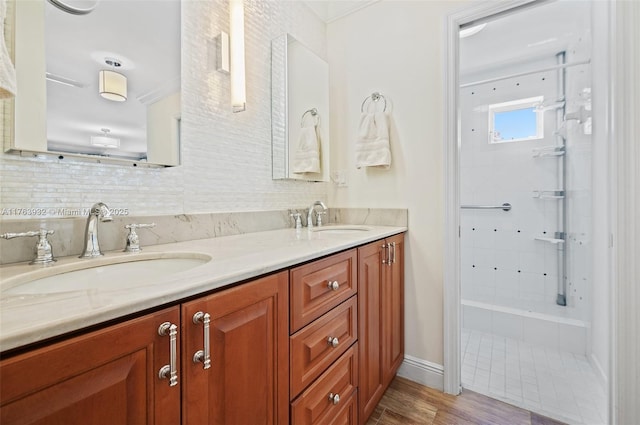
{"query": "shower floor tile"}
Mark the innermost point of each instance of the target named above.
(554, 383)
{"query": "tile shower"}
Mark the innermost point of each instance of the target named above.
(518, 266)
(509, 278)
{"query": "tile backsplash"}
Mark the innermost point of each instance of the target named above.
(68, 237)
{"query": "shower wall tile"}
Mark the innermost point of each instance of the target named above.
(507, 325)
(540, 332)
(477, 319)
(572, 340)
(504, 241)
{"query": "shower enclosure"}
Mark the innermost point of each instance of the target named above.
(525, 195)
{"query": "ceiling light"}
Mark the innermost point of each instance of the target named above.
(104, 140)
(467, 32)
(112, 85)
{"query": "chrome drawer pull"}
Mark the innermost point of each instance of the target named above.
(333, 285)
(385, 258)
(393, 257)
(334, 398)
(203, 356)
(333, 342)
(170, 371)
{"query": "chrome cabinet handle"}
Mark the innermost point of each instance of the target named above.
(203, 356)
(170, 371)
(333, 285)
(333, 342)
(334, 398)
(393, 257)
(385, 257)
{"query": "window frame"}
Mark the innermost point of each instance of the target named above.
(513, 105)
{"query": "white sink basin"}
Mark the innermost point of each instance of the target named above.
(102, 273)
(342, 229)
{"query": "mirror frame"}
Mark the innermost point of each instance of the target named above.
(285, 123)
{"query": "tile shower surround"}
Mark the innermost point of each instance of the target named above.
(226, 157)
(501, 263)
(68, 236)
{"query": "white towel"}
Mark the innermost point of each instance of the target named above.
(307, 156)
(372, 145)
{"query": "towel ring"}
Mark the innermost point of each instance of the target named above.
(375, 97)
(314, 113)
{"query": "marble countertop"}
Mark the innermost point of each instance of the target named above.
(28, 318)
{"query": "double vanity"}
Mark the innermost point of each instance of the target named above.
(299, 326)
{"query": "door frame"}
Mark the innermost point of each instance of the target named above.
(452, 310)
(614, 100)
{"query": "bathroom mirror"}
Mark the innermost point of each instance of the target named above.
(299, 111)
(97, 79)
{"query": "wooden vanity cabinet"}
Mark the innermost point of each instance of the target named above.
(248, 380)
(108, 376)
(380, 318)
(280, 349)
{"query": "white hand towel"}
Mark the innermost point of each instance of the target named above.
(372, 145)
(307, 156)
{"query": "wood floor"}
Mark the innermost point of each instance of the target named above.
(406, 402)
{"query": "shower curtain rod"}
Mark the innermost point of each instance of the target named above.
(521, 74)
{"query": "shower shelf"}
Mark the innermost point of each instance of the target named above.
(550, 240)
(550, 106)
(548, 194)
(548, 151)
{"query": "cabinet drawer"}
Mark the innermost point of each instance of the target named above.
(314, 406)
(311, 348)
(311, 292)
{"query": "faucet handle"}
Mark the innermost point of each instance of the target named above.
(44, 252)
(296, 216)
(319, 220)
(133, 242)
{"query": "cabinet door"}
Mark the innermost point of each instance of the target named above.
(371, 337)
(247, 382)
(109, 376)
(393, 308)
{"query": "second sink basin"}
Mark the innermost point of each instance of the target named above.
(342, 229)
(102, 273)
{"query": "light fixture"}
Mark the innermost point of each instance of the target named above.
(112, 85)
(468, 32)
(104, 140)
(236, 29)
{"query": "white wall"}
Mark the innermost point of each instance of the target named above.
(226, 157)
(395, 47)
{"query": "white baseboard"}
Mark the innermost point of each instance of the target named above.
(423, 372)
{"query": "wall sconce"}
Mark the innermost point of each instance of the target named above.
(104, 140)
(236, 28)
(112, 85)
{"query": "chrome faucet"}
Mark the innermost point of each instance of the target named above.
(311, 210)
(99, 211)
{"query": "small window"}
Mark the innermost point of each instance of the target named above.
(516, 121)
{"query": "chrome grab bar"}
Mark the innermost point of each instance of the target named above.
(504, 207)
